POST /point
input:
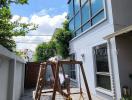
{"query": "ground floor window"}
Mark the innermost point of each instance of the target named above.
(102, 67)
(72, 68)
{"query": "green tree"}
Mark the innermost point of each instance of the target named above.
(44, 51)
(62, 36)
(9, 29)
(59, 45)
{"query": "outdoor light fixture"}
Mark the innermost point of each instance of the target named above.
(83, 56)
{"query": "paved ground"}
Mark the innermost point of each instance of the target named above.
(28, 96)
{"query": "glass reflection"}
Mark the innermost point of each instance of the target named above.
(77, 21)
(76, 5)
(96, 6)
(85, 13)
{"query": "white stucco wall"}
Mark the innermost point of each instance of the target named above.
(18, 81)
(11, 75)
(4, 68)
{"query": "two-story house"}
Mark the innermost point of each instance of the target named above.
(103, 41)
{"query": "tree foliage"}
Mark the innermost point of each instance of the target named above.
(9, 29)
(44, 51)
(59, 44)
(62, 36)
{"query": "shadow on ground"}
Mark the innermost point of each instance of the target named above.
(27, 95)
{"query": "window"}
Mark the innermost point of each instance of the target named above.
(102, 67)
(71, 25)
(77, 21)
(77, 32)
(85, 13)
(77, 5)
(82, 2)
(98, 18)
(72, 68)
(86, 26)
(96, 6)
(70, 9)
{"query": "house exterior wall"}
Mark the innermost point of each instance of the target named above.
(11, 75)
(122, 16)
(124, 49)
(84, 44)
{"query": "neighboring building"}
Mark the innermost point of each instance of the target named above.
(107, 61)
(12, 72)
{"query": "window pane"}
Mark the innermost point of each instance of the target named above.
(85, 13)
(77, 21)
(70, 9)
(86, 26)
(104, 82)
(73, 75)
(71, 25)
(99, 17)
(72, 67)
(101, 58)
(83, 1)
(96, 6)
(78, 32)
(77, 5)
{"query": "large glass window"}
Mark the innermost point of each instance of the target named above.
(70, 9)
(82, 2)
(71, 25)
(86, 26)
(77, 21)
(97, 5)
(102, 67)
(86, 13)
(77, 5)
(98, 17)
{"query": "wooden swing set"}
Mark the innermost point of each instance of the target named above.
(55, 66)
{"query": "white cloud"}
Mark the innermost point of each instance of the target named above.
(46, 26)
(21, 19)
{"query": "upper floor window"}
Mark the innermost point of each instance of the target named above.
(85, 13)
(96, 6)
(77, 5)
(70, 9)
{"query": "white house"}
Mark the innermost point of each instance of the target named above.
(104, 44)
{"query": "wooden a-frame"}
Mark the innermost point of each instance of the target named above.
(57, 87)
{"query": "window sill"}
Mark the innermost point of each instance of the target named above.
(107, 92)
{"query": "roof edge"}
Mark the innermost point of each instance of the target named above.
(122, 31)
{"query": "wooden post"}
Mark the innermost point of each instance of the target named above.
(56, 81)
(85, 82)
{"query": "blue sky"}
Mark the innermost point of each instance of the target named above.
(35, 6)
(47, 14)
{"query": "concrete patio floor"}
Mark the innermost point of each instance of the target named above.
(28, 95)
